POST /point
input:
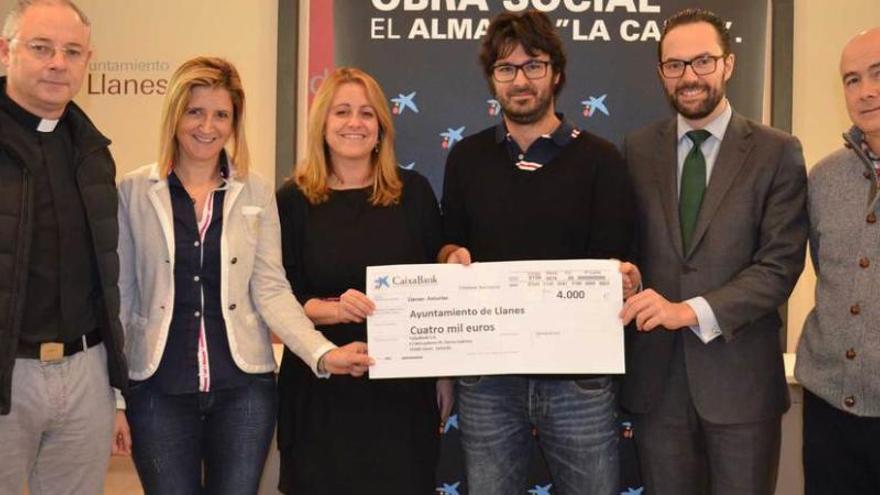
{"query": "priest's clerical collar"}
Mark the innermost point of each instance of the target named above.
(25, 118)
(47, 125)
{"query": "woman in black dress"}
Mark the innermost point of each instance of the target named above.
(348, 206)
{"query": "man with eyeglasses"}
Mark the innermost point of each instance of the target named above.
(60, 336)
(535, 187)
(721, 241)
(838, 358)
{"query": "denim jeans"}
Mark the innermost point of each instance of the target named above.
(226, 431)
(576, 431)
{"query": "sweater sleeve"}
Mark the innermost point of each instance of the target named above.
(612, 212)
(271, 294)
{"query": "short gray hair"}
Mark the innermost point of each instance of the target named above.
(10, 25)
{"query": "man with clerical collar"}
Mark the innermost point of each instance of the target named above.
(721, 241)
(535, 187)
(838, 357)
(60, 336)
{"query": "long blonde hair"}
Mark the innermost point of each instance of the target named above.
(210, 72)
(310, 175)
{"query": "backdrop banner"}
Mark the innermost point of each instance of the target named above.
(424, 53)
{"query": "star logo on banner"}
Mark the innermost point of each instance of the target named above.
(541, 490)
(593, 105)
(494, 107)
(627, 431)
(451, 136)
(403, 102)
(448, 489)
(451, 423)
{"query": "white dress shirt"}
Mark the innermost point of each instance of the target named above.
(707, 327)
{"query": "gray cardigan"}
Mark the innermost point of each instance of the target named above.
(255, 294)
(838, 356)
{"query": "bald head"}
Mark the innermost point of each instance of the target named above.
(860, 71)
(858, 47)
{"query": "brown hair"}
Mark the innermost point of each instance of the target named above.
(531, 29)
(693, 16)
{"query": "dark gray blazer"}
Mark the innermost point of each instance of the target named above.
(747, 253)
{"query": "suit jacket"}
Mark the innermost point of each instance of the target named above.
(747, 252)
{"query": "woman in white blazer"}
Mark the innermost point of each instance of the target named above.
(201, 283)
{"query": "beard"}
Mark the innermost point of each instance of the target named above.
(528, 114)
(704, 108)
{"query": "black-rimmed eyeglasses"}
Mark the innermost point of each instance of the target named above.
(702, 66)
(533, 69)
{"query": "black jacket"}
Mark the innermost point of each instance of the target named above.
(95, 178)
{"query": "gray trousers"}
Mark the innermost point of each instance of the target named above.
(681, 453)
(57, 436)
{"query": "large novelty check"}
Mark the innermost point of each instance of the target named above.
(558, 316)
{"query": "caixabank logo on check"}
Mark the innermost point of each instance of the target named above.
(387, 281)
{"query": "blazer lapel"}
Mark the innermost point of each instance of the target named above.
(160, 198)
(235, 187)
(735, 148)
(666, 168)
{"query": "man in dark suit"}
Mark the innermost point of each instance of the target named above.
(721, 205)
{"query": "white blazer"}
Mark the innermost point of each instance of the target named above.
(254, 292)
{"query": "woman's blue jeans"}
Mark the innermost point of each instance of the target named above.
(202, 443)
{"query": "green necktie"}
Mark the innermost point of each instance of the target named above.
(693, 185)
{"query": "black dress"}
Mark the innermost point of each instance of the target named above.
(344, 435)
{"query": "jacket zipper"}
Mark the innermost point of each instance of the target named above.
(18, 267)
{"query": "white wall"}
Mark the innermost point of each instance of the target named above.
(821, 28)
(163, 34)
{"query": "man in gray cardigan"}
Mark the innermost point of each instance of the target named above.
(839, 352)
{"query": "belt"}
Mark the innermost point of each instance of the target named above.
(48, 352)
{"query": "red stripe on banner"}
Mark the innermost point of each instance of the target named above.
(320, 43)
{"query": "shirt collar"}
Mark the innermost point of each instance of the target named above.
(23, 117)
(874, 157)
(562, 135)
(717, 127)
(226, 172)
